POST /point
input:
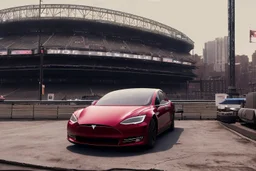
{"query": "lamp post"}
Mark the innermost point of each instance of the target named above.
(40, 53)
(231, 50)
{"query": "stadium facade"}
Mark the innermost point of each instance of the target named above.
(89, 47)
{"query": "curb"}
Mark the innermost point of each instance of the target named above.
(240, 131)
(32, 166)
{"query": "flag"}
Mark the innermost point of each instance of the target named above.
(252, 36)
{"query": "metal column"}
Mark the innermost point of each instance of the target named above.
(40, 53)
(231, 51)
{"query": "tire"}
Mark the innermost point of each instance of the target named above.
(172, 127)
(227, 119)
(152, 134)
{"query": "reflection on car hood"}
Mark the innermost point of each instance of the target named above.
(108, 115)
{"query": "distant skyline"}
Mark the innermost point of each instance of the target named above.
(201, 20)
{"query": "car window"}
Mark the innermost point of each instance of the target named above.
(128, 97)
(161, 96)
(233, 102)
(157, 101)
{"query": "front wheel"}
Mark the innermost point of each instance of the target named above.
(152, 134)
(172, 127)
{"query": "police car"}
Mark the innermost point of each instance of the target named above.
(228, 109)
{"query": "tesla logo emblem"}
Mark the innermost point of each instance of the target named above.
(93, 126)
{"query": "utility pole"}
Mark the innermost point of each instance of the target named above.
(231, 51)
(40, 53)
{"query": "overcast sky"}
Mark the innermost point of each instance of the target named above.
(201, 20)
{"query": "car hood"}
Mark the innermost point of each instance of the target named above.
(108, 115)
(228, 105)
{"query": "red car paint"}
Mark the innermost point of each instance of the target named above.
(2, 98)
(107, 119)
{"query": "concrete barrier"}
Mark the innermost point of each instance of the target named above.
(200, 110)
(192, 110)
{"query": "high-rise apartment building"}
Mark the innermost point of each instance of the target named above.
(254, 59)
(216, 52)
(208, 52)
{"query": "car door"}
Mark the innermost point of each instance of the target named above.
(167, 108)
(170, 109)
(158, 112)
(162, 110)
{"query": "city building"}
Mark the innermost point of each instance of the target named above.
(216, 52)
(254, 59)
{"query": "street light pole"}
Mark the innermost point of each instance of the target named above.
(40, 53)
(231, 50)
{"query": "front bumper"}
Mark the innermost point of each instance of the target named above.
(102, 135)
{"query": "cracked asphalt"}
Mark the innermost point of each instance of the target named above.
(194, 145)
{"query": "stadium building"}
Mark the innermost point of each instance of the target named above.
(89, 51)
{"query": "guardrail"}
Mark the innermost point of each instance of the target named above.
(87, 101)
(60, 109)
(48, 102)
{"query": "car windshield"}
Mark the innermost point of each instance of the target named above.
(127, 97)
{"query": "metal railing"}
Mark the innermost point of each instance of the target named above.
(85, 101)
(61, 109)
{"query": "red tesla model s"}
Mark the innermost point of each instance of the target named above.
(126, 117)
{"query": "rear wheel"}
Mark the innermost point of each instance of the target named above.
(152, 134)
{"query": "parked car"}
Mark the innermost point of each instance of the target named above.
(127, 117)
(227, 111)
(247, 113)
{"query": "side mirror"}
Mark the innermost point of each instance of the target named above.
(179, 111)
(163, 102)
(94, 102)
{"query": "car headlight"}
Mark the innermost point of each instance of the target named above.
(234, 109)
(73, 118)
(134, 120)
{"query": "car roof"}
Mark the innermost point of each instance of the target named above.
(138, 90)
(233, 100)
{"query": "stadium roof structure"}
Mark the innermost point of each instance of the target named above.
(88, 13)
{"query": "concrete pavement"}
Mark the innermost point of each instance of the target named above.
(194, 145)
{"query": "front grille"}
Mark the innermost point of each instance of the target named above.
(132, 139)
(98, 141)
(99, 130)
